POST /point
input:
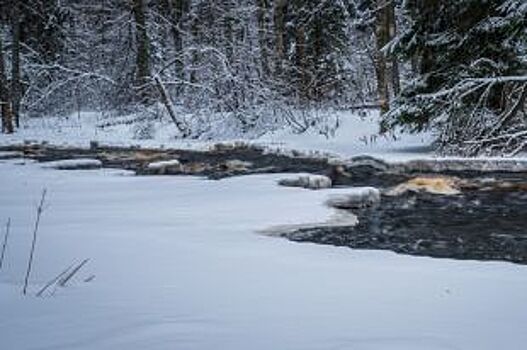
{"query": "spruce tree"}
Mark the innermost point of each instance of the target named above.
(470, 83)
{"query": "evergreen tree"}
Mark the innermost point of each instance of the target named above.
(471, 78)
(318, 43)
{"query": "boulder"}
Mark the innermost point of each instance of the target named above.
(443, 185)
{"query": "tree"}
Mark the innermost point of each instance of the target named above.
(16, 87)
(471, 84)
(5, 103)
(280, 8)
(143, 74)
(174, 11)
(379, 17)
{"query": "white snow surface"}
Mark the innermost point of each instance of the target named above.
(66, 164)
(355, 136)
(163, 164)
(179, 265)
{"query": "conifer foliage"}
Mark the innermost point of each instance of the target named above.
(471, 74)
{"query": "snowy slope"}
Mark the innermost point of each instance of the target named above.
(355, 135)
(179, 265)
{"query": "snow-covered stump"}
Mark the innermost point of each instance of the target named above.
(312, 182)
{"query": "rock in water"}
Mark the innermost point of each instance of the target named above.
(436, 185)
(361, 197)
(312, 182)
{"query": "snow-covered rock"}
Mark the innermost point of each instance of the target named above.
(367, 161)
(164, 164)
(11, 155)
(164, 167)
(73, 164)
(358, 198)
(312, 182)
(462, 164)
(237, 165)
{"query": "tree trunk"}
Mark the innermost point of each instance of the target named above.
(263, 28)
(143, 51)
(300, 63)
(165, 99)
(392, 31)
(16, 90)
(382, 38)
(279, 32)
(177, 9)
(5, 103)
(194, 30)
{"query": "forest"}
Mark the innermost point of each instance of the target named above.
(457, 68)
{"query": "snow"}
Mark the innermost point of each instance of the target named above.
(313, 182)
(9, 155)
(361, 197)
(355, 136)
(178, 264)
(163, 164)
(72, 164)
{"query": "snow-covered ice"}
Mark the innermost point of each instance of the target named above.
(73, 164)
(179, 265)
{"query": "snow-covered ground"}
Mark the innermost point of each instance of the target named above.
(179, 265)
(356, 135)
